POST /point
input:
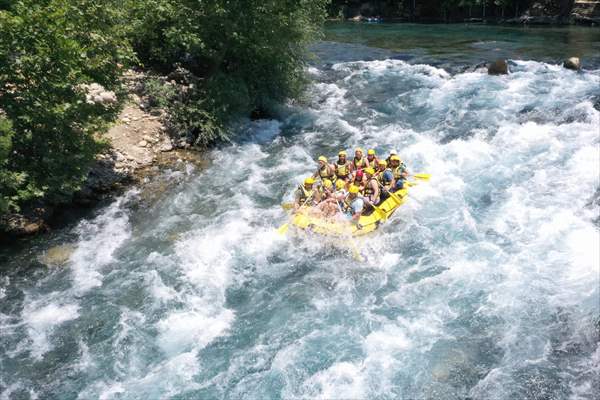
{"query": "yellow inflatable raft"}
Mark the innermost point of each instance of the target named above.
(366, 223)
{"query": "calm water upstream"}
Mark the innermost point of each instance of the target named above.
(485, 285)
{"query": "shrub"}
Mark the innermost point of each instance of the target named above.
(48, 50)
(241, 56)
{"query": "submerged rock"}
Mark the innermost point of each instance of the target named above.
(498, 67)
(572, 63)
(58, 255)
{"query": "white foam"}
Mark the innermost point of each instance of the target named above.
(181, 330)
(42, 320)
(98, 240)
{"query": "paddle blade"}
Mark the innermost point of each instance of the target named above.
(287, 206)
(282, 230)
(424, 177)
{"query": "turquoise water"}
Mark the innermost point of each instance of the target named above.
(454, 46)
(484, 285)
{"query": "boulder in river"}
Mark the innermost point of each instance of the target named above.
(498, 67)
(58, 255)
(572, 63)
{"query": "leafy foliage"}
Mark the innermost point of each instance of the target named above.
(232, 58)
(241, 56)
(47, 50)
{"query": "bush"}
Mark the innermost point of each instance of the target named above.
(241, 56)
(48, 51)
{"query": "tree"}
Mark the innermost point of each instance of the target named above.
(241, 56)
(48, 50)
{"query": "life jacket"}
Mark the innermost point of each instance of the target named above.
(346, 204)
(362, 163)
(342, 170)
(368, 191)
(379, 177)
(324, 173)
(305, 194)
(398, 171)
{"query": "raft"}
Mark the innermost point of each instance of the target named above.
(366, 223)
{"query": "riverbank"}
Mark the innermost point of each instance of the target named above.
(140, 146)
(543, 12)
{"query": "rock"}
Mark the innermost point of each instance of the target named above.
(149, 139)
(498, 67)
(96, 94)
(33, 227)
(58, 255)
(142, 143)
(572, 63)
(166, 146)
(18, 225)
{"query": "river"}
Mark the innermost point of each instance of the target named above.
(484, 285)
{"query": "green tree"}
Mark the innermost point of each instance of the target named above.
(48, 50)
(241, 56)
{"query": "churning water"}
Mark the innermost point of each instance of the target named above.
(485, 285)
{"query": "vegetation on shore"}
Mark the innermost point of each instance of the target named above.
(231, 58)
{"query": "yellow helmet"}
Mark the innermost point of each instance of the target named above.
(339, 184)
(327, 183)
(394, 158)
(342, 153)
(309, 181)
(371, 152)
(383, 162)
(359, 149)
(369, 171)
(353, 189)
(323, 158)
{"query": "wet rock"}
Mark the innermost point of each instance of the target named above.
(572, 63)
(58, 255)
(498, 67)
(26, 224)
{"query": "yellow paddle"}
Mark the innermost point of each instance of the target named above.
(424, 177)
(282, 230)
(287, 206)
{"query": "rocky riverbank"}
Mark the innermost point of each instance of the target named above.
(540, 12)
(140, 147)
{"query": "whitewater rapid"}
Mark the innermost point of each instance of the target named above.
(484, 285)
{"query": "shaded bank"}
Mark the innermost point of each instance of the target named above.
(585, 12)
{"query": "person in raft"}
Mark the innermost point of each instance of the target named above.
(306, 194)
(359, 162)
(350, 187)
(324, 170)
(342, 167)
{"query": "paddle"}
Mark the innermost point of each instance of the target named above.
(424, 177)
(287, 206)
(282, 230)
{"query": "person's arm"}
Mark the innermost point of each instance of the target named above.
(297, 200)
(388, 178)
(316, 195)
(375, 187)
(331, 169)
